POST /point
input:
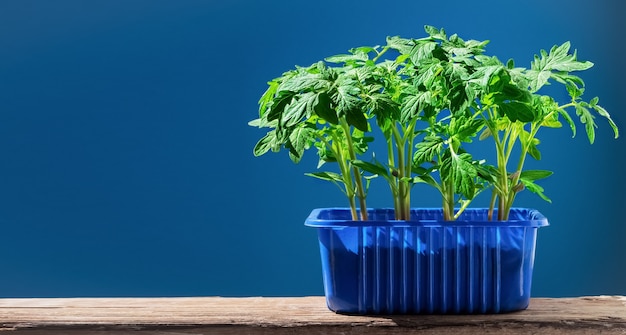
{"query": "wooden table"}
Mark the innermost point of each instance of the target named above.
(305, 315)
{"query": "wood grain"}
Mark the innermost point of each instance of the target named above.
(301, 315)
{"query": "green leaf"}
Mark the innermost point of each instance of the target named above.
(464, 129)
(299, 108)
(414, 103)
(277, 106)
(517, 111)
(333, 177)
(267, 97)
(329, 176)
(373, 168)
(534, 152)
(360, 142)
(422, 50)
(600, 110)
(462, 172)
(301, 139)
(384, 108)
(588, 120)
(303, 82)
(427, 149)
(551, 123)
(513, 92)
(427, 179)
(439, 34)
(325, 154)
(355, 117)
(568, 119)
(485, 134)
(532, 175)
(323, 108)
(558, 59)
(459, 100)
(534, 188)
(359, 56)
(265, 144)
(403, 45)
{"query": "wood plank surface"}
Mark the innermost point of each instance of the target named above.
(298, 315)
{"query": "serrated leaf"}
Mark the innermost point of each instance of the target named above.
(325, 155)
(600, 110)
(323, 108)
(517, 111)
(303, 82)
(301, 139)
(413, 104)
(427, 149)
(265, 144)
(459, 169)
(277, 106)
(551, 123)
(588, 120)
(384, 108)
(459, 100)
(568, 119)
(534, 188)
(435, 33)
(346, 58)
(267, 97)
(558, 59)
(360, 142)
(465, 129)
(299, 108)
(421, 51)
(403, 45)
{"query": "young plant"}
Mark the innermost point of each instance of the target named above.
(381, 88)
(514, 112)
(438, 105)
(457, 91)
(429, 97)
(318, 106)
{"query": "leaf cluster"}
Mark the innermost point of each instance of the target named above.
(428, 98)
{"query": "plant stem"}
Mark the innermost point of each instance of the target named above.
(403, 186)
(345, 173)
(360, 191)
(409, 136)
(393, 182)
(379, 54)
(492, 204)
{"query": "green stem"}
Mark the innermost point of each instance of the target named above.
(492, 204)
(382, 52)
(345, 173)
(520, 165)
(403, 192)
(393, 182)
(360, 190)
(448, 200)
(410, 137)
(462, 209)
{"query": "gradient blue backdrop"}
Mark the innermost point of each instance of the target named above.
(126, 164)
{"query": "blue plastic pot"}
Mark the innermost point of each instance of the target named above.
(426, 265)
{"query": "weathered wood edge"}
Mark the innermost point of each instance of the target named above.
(599, 314)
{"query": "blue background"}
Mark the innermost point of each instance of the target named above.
(126, 164)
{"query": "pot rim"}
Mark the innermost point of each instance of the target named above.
(523, 217)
